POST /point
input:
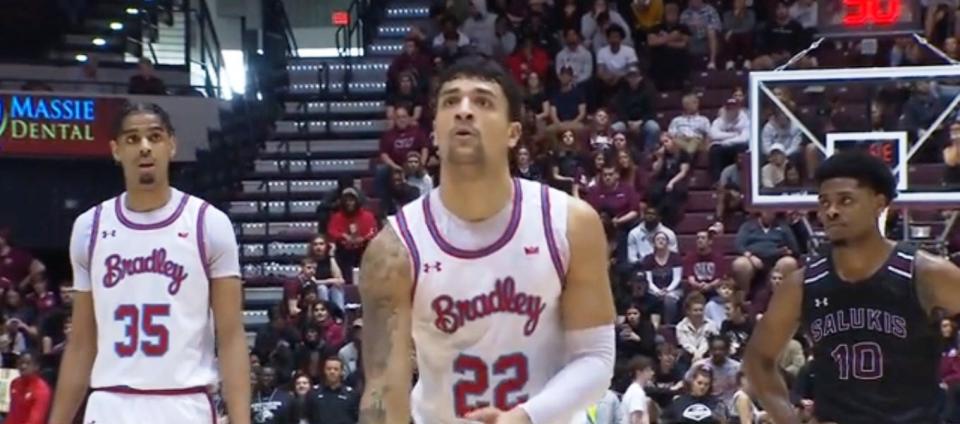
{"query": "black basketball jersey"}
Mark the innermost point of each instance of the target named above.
(876, 351)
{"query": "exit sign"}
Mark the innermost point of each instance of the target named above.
(340, 18)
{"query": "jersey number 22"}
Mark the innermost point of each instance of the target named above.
(156, 338)
(515, 364)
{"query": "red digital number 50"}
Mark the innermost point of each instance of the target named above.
(871, 12)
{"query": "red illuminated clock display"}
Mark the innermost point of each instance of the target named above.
(868, 17)
(876, 12)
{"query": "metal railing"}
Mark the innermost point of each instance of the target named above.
(203, 45)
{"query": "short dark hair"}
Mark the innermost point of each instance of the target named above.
(693, 299)
(718, 337)
(485, 69)
(639, 363)
(867, 169)
(133, 108)
(616, 29)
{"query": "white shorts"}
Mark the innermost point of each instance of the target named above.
(109, 407)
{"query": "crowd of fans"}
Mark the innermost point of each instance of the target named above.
(591, 75)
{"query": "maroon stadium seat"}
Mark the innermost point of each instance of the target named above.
(694, 222)
(702, 201)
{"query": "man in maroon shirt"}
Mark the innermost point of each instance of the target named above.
(394, 146)
(616, 202)
(17, 266)
(705, 269)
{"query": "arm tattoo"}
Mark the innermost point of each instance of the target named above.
(383, 270)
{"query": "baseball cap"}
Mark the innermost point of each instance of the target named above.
(351, 191)
(777, 147)
(732, 102)
(566, 69)
(358, 322)
(633, 69)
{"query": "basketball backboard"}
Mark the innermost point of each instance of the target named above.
(899, 114)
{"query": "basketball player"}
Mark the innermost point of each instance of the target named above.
(501, 282)
(149, 266)
(866, 302)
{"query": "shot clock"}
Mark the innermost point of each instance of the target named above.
(860, 18)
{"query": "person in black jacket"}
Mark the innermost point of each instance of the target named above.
(636, 335)
(635, 108)
(333, 402)
(269, 403)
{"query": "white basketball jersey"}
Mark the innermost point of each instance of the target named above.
(486, 323)
(151, 297)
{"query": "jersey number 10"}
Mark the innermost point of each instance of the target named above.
(136, 318)
(862, 361)
(480, 383)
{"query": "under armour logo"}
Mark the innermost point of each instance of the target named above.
(823, 301)
(531, 250)
(111, 233)
(434, 266)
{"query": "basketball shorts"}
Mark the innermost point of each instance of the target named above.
(119, 406)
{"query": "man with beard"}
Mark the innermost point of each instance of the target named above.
(640, 239)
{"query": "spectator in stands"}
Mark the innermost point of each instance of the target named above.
(593, 29)
(30, 396)
(334, 402)
(410, 61)
(568, 108)
(87, 79)
(575, 56)
(400, 193)
(923, 107)
(668, 191)
(536, 26)
(664, 269)
(763, 244)
(524, 167)
(691, 129)
(630, 173)
(328, 277)
(694, 329)
(737, 327)
(792, 358)
(744, 408)
(301, 387)
(277, 333)
(270, 404)
(536, 99)
(351, 228)
(951, 157)
(647, 14)
(636, 405)
(404, 137)
(309, 344)
(705, 25)
(568, 14)
(613, 60)
(729, 136)
(805, 13)
(565, 167)
(331, 330)
(604, 411)
(506, 39)
(480, 28)
(667, 375)
(739, 28)
(145, 81)
(17, 266)
(697, 401)
(704, 268)
(349, 354)
(407, 96)
(416, 175)
(640, 239)
(600, 135)
(41, 298)
(528, 58)
(723, 368)
(450, 43)
(615, 201)
(729, 193)
(781, 39)
(716, 308)
(634, 102)
(773, 172)
(21, 319)
(636, 334)
(780, 129)
(304, 281)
